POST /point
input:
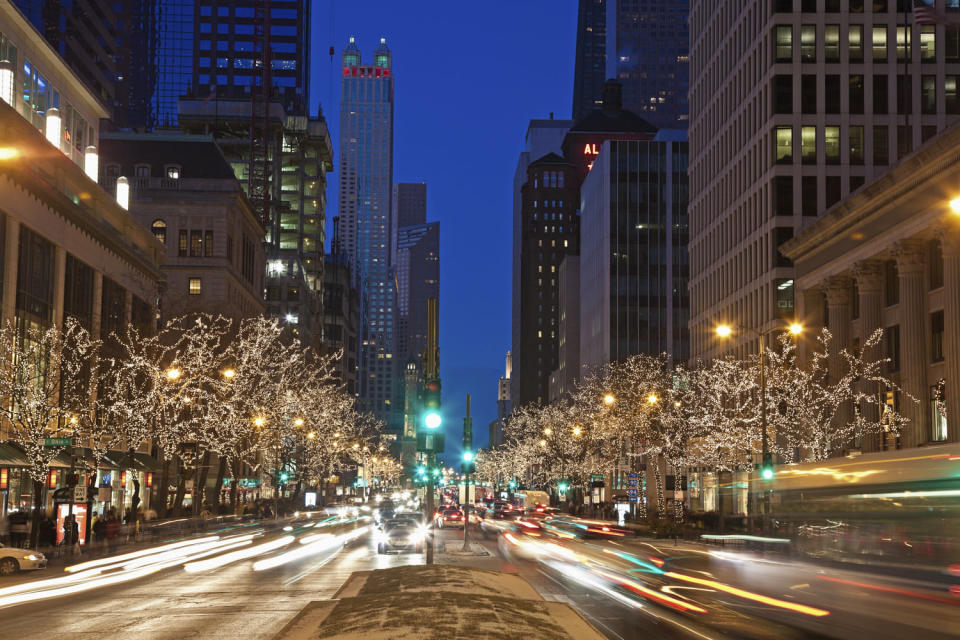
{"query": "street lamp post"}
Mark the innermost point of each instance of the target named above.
(766, 465)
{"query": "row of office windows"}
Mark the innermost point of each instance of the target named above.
(854, 6)
(783, 98)
(827, 43)
(785, 144)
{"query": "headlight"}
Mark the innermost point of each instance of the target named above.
(31, 557)
(417, 537)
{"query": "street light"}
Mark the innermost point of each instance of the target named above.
(577, 431)
(548, 431)
(229, 374)
(298, 422)
(795, 328)
(258, 421)
(955, 205)
(608, 399)
(173, 374)
(652, 398)
(543, 443)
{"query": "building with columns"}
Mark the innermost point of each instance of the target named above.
(794, 106)
(888, 257)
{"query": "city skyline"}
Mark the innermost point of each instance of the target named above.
(471, 299)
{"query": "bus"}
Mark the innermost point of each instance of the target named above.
(899, 507)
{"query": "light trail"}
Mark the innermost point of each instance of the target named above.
(309, 549)
(902, 592)
(236, 556)
(748, 595)
(636, 587)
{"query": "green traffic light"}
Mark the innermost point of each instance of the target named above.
(467, 456)
(767, 473)
(432, 420)
(562, 487)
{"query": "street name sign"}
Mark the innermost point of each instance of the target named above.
(57, 442)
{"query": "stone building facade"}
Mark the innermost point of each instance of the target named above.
(184, 191)
(888, 257)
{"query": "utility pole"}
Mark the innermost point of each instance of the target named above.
(430, 436)
(467, 467)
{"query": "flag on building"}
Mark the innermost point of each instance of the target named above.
(925, 12)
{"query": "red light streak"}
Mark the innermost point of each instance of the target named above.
(903, 592)
(655, 560)
(636, 587)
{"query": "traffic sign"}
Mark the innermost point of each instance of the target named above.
(57, 442)
(633, 474)
(631, 492)
(632, 499)
(80, 493)
(596, 477)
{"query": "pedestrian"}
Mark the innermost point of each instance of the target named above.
(113, 532)
(100, 532)
(47, 532)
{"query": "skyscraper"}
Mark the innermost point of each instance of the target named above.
(227, 37)
(417, 269)
(824, 101)
(282, 155)
(590, 69)
(644, 45)
(543, 137)
(638, 302)
(85, 34)
(409, 204)
(366, 182)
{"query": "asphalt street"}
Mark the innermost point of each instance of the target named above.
(248, 598)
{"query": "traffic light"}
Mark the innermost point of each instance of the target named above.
(513, 484)
(468, 464)
(563, 486)
(284, 476)
(431, 404)
(766, 469)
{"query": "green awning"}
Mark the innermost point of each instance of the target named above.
(11, 456)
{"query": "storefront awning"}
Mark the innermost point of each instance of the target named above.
(11, 456)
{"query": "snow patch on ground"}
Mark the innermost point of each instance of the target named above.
(438, 602)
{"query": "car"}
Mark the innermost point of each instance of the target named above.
(416, 516)
(450, 518)
(386, 525)
(13, 559)
(496, 521)
(401, 538)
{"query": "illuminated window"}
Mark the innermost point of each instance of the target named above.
(784, 145)
(784, 36)
(831, 144)
(808, 145)
(159, 228)
(831, 37)
(173, 173)
(855, 43)
(194, 287)
(880, 44)
(928, 43)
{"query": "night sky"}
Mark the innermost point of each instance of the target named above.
(469, 77)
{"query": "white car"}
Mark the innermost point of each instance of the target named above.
(13, 559)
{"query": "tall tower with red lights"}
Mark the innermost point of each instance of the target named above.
(366, 234)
